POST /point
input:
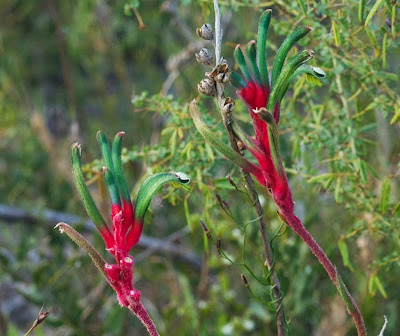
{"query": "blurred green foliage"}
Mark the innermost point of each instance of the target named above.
(68, 69)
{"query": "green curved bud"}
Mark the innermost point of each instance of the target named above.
(111, 186)
(119, 173)
(81, 241)
(83, 190)
(110, 173)
(273, 139)
(151, 185)
(261, 46)
(315, 72)
(251, 52)
(284, 49)
(284, 76)
(240, 60)
(237, 81)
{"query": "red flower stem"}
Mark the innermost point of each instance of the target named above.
(295, 223)
(140, 311)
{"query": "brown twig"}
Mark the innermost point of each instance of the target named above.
(225, 113)
(40, 318)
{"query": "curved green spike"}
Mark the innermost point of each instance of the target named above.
(119, 173)
(83, 190)
(285, 74)
(284, 50)
(273, 138)
(240, 60)
(251, 52)
(151, 185)
(111, 186)
(261, 46)
(110, 173)
(302, 69)
(237, 81)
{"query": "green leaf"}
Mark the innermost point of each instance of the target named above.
(385, 195)
(373, 12)
(363, 172)
(372, 286)
(217, 144)
(380, 287)
(151, 185)
(361, 8)
(338, 190)
(345, 254)
(321, 178)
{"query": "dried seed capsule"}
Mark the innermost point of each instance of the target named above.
(219, 245)
(205, 32)
(207, 87)
(244, 279)
(205, 56)
(222, 77)
(228, 105)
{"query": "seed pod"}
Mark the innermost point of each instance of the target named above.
(219, 245)
(228, 105)
(207, 87)
(205, 56)
(244, 279)
(205, 32)
(222, 77)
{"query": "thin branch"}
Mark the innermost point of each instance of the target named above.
(220, 98)
(218, 33)
(13, 214)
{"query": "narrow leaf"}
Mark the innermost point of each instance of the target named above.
(345, 254)
(361, 8)
(380, 287)
(341, 287)
(217, 144)
(385, 195)
(373, 11)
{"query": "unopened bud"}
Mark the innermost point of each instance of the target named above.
(219, 199)
(228, 105)
(207, 87)
(205, 32)
(229, 178)
(222, 77)
(219, 245)
(226, 205)
(281, 217)
(205, 56)
(244, 279)
(205, 228)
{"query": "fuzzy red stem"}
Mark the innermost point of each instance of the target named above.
(140, 311)
(295, 223)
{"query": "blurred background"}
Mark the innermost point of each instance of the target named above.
(70, 68)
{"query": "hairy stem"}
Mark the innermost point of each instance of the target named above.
(295, 223)
(140, 311)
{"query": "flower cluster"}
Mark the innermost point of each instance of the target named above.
(127, 220)
(262, 95)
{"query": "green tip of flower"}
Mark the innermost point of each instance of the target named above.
(241, 61)
(150, 187)
(251, 52)
(261, 45)
(116, 160)
(83, 190)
